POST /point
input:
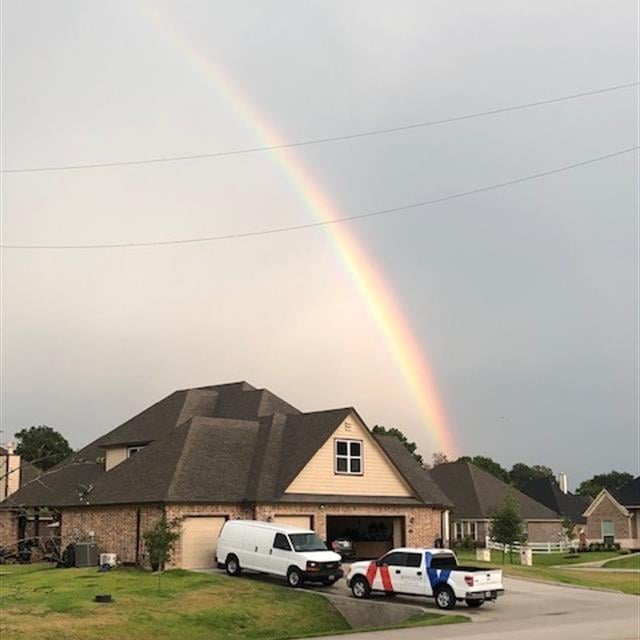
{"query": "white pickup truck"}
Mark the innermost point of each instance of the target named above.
(433, 573)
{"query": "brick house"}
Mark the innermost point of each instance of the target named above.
(233, 451)
(613, 516)
(476, 495)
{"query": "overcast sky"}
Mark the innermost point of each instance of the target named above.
(524, 298)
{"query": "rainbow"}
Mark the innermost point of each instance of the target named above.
(410, 356)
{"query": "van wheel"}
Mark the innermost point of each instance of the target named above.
(360, 588)
(294, 577)
(445, 598)
(232, 565)
(474, 604)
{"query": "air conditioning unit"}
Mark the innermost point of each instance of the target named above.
(108, 559)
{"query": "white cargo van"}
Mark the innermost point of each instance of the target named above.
(280, 550)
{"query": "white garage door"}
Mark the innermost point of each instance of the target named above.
(303, 522)
(199, 540)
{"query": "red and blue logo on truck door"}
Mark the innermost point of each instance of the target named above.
(436, 577)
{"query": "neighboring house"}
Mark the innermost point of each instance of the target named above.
(549, 493)
(613, 516)
(233, 451)
(14, 472)
(477, 495)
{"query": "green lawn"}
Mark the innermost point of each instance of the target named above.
(38, 602)
(544, 559)
(630, 562)
(543, 570)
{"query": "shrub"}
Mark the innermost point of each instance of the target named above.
(160, 541)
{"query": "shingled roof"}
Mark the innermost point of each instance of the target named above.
(197, 451)
(477, 495)
(547, 492)
(629, 494)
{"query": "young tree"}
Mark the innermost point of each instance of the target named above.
(489, 465)
(568, 529)
(160, 542)
(609, 481)
(42, 446)
(507, 527)
(410, 446)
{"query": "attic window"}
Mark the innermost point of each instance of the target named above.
(349, 457)
(131, 451)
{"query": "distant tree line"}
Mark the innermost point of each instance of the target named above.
(520, 473)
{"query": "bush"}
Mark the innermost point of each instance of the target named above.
(465, 544)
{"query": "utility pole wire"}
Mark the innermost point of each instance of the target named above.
(315, 141)
(311, 225)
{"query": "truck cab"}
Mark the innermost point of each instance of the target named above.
(432, 573)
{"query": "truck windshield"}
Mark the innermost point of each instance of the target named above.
(307, 542)
(443, 561)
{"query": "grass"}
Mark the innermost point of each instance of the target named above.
(630, 562)
(544, 569)
(544, 559)
(38, 602)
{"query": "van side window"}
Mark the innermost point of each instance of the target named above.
(281, 542)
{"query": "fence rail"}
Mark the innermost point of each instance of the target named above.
(536, 547)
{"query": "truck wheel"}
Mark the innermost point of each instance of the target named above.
(360, 588)
(474, 604)
(294, 577)
(445, 598)
(232, 565)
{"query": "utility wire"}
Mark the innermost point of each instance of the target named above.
(306, 143)
(311, 225)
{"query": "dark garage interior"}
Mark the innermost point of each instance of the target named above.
(372, 535)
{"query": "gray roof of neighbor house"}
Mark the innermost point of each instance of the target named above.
(547, 492)
(629, 494)
(197, 451)
(477, 494)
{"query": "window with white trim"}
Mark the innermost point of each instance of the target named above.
(349, 457)
(457, 530)
(472, 530)
(131, 451)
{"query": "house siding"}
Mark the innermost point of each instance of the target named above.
(379, 477)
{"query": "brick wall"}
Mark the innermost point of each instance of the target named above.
(607, 510)
(422, 524)
(544, 531)
(8, 528)
(114, 527)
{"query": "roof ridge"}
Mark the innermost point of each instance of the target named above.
(177, 469)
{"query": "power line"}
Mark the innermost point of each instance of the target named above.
(306, 143)
(311, 225)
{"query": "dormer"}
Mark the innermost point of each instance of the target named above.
(116, 454)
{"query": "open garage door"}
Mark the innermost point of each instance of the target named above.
(199, 541)
(304, 522)
(371, 536)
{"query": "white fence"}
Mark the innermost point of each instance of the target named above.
(536, 547)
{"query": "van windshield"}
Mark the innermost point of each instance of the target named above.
(307, 542)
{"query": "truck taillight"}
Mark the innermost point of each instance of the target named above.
(469, 580)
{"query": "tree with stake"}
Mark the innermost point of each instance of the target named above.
(160, 542)
(507, 527)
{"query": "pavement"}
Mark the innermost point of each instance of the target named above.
(529, 611)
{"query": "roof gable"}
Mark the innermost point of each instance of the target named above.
(605, 496)
(380, 477)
